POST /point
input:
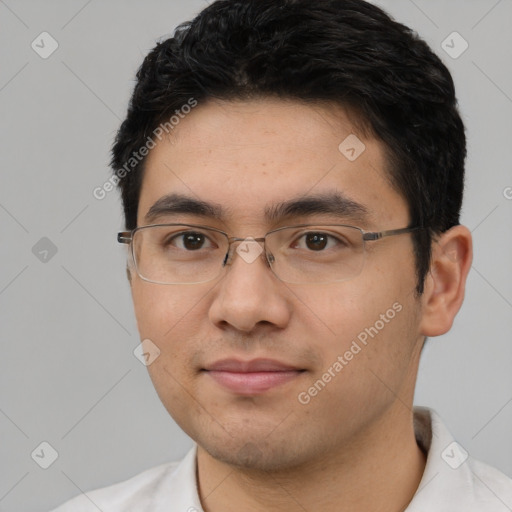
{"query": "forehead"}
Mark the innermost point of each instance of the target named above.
(249, 158)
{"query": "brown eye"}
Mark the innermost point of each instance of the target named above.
(316, 241)
(190, 241)
(193, 241)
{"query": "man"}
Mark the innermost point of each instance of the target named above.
(292, 175)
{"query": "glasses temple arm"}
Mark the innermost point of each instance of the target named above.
(125, 237)
(389, 232)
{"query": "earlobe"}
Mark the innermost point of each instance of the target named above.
(452, 255)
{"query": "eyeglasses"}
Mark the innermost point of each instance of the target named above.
(302, 254)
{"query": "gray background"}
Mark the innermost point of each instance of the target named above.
(68, 375)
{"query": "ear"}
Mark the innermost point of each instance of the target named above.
(452, 254)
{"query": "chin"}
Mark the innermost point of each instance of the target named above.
(256, 455)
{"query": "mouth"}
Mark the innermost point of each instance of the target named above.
(253, 377)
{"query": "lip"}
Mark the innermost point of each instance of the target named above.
(254, 365)
(252, 377)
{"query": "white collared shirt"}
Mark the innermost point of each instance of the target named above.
(452, 481)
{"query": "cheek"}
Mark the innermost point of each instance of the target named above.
(172, 317)
(372, 352)
(371, 320)
(344, 309)
(168, 317)
(160, 309)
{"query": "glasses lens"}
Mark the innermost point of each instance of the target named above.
(179, 254)
(316, 254)
(187, 254)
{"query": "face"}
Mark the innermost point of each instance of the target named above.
(259, 372)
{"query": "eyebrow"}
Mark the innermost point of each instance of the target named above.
(331, 203)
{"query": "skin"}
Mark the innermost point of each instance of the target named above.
(353, 443)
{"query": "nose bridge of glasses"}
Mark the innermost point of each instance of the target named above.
(248, 248)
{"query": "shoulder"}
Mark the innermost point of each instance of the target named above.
(491, 486)
(453, 480)
(136, 493)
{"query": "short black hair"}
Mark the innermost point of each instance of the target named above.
(349, 52)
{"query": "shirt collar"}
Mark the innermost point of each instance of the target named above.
(181, 488)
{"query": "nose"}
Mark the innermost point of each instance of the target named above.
(249, 294)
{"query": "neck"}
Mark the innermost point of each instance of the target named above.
(380, 471)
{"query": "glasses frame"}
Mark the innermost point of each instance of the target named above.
(126, 237)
